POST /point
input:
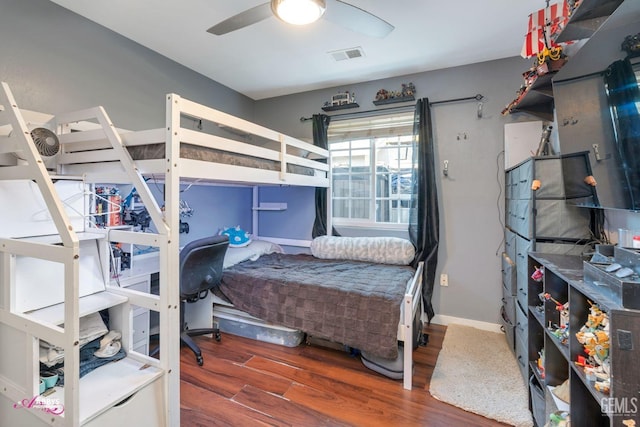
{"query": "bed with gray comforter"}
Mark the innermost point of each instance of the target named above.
(351, 302)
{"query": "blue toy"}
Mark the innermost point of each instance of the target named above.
(237, 236)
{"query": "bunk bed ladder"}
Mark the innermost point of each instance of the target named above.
(31, 167)
(15, 138)
(124, 169)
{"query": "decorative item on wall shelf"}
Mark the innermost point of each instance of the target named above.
(542, 42)
(536, 91)
(631, 45)
(391, 97)
(341, 101)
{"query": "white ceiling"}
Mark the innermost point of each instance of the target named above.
(271, 58)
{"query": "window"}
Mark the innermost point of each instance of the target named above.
(371, 164)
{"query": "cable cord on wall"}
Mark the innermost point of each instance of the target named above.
(500, 187)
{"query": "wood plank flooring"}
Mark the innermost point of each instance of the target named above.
(249, 383)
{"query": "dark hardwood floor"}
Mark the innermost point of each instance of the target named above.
(249, 383)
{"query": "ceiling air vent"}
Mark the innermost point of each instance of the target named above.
(351, 53)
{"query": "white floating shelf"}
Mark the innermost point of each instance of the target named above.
(271, 207)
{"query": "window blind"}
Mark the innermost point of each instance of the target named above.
(384, 125)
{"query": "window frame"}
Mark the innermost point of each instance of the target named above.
(403, 134)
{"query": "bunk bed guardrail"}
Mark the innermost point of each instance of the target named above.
(242, 151)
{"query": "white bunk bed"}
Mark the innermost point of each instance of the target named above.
(93, 151)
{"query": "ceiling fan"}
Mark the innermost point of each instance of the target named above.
(336, 11)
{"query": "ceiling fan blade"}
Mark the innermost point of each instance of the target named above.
(356, 19)
(241, 20)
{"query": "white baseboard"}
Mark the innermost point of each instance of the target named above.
(440, 319)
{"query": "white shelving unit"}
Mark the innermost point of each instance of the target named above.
(54, 270)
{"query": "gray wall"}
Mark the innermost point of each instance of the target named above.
(471, 197)
(56, 61)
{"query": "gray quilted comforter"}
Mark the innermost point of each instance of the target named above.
(350, 302)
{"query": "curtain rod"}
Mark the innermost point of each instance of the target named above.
(477, 97)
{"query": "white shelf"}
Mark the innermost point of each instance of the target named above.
(89, 304)
(271, 207)
(141, 265)
(108, 385)
(54, 239)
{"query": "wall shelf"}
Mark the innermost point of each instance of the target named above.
(394, 100)
(265, 206)
(586, 19)
(537, 99)
(340, 107)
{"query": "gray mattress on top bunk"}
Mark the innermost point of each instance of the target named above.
(350, 302)
(195, 152)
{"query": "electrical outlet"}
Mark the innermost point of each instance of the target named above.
(444, 279)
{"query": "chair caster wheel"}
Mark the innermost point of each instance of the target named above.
(199, 360)
(218, 336)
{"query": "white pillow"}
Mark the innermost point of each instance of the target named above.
(383, 250)
(250, 252)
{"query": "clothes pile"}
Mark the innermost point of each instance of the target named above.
(98, 346)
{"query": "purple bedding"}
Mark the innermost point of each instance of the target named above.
(350, 302)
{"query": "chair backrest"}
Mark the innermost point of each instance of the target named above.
(201, 264)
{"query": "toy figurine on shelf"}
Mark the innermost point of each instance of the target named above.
(560, 332)
(382, 94)
(631, 45)
(406, 93)
(540, 363)
(408, 89)
(594, 336)
(540, 308)
(560, 419)
(562, 308)
(538, 275)
(549, 60)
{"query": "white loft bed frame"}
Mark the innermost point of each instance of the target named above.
(96, 153)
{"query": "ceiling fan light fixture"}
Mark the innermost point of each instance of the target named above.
(298, 12)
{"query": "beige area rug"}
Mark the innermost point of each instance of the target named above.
(477, 372)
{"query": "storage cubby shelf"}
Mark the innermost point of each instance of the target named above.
(537, 315)
(109, 385)
(564, 277)
(536, 372)
(563, 348)
(598, 396)
(89, 304)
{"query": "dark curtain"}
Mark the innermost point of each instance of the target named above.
(424, 219)
(320, 126)
(623, 95)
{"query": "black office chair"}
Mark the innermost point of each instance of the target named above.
(200, 270)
